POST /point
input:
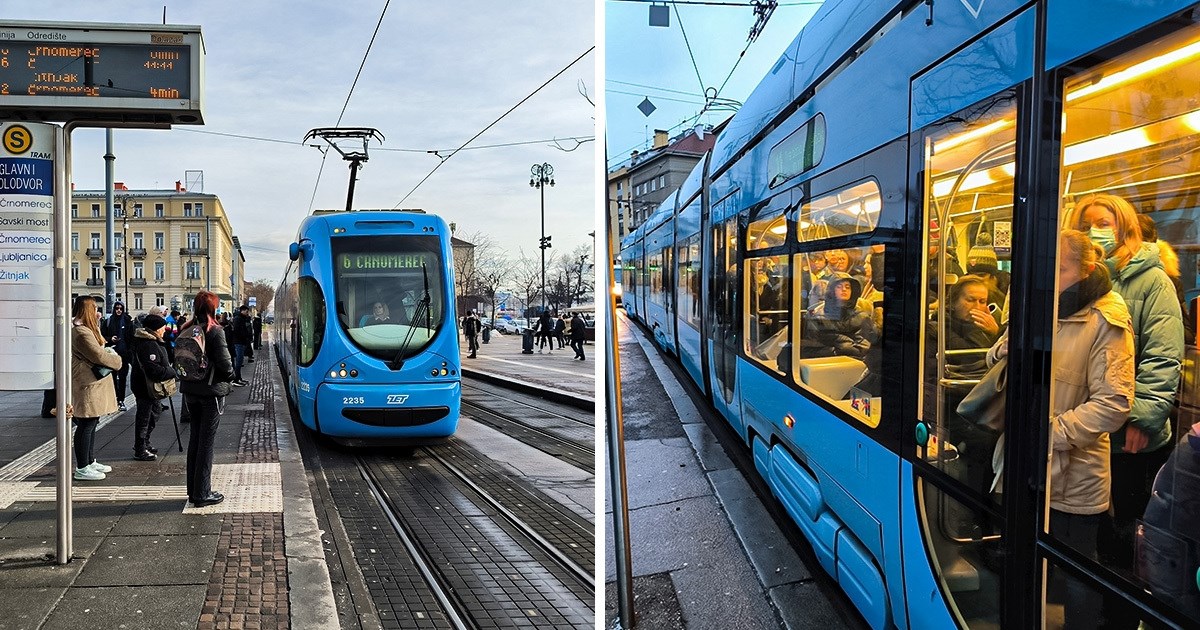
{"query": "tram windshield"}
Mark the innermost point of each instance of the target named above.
(390, 297)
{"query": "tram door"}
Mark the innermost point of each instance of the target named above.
(964, 149)
(723, 332)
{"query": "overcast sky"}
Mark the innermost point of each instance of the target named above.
(437, 74)
(656, 62)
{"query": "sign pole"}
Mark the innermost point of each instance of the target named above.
(62, 340)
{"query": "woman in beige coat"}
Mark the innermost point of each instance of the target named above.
(1093, 393)
(91, 396)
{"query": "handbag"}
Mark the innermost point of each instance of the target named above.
(158, 389)
(984, 404)
(101, 371)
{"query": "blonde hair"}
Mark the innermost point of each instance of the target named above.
(1128, 232)
(1076, 247)
(84, 310)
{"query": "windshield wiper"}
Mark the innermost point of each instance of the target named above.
(397, 362)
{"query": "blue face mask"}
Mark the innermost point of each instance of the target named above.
(1105, 238)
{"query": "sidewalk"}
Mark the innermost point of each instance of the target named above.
(555, 369)
(144, 560)
(705, 551)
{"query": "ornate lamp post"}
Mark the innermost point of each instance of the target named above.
(539, 176)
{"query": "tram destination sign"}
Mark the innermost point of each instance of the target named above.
(116, 73)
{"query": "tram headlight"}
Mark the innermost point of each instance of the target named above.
(332, 373)
(353, 373)
(342, 373)
(445, 371)
(433, 372)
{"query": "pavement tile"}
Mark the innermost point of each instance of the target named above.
(30, 562)
(661, 471)
(145, 608)
(26, 608)
(134, 560)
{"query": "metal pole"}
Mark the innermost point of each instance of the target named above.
(125, 247)
(616, 460)
(110, 266)
(542, 188)
(62, 345)
(207, 252)
(350, 193)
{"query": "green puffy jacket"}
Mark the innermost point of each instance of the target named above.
(1158, 344)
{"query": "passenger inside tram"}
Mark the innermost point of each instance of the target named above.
(835, 326)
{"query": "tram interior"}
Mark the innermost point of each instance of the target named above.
(1131, 128)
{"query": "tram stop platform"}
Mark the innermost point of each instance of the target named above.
(142, 557)
(706, 550)
(546, 372)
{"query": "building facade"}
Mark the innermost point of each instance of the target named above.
(169, 245)
(638, 185)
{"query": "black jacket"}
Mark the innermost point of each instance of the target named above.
(220, 364)
(121, 328)
(150, 363)
(578, 329)
(243, 332)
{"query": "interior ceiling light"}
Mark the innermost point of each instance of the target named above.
(1137, 70)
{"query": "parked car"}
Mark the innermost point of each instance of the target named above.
(512, 326)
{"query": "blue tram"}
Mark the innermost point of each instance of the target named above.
(811, 276)
(365, 327)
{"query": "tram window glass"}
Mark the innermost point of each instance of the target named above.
(688, 290)
(767, 232)
(799, 152)
(851, 210)
(767, 305)
(969, 166)
(656, 276)
(1130, 168)
(838, 354)
(381, 284)
(312, 320)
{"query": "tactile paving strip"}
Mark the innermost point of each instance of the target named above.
(13, 491)
(82, 493)
(502, 578)
(567, 531)
(247, 488)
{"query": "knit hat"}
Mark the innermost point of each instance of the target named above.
(153, 322)
(158, 309)
(982, 257)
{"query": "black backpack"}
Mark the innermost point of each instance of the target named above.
(191, 361)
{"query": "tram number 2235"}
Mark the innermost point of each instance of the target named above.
(353, 400)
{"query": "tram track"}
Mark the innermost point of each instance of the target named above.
(563, 435)
(486, 566)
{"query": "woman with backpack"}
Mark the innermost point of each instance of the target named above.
(206, 374)
(91, 385)
(150, 365)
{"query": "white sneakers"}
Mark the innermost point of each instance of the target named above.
(88, 474)
(94, 471)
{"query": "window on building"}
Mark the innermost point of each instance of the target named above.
(74, 211)
(662, 181)
(199, 209)
(74, 272)
(139, 271)
(160, 241)
(137, 210)
(120, 272)
(137, 301)
(117, 210)
(193, 270)
(95, 240)
(187, 209)
(137, 241)
(160, 299)
(95, 271)
(95, 210)
(158, 210)
(74, 241)
(193, 240)
(118, 241)
(160, 271)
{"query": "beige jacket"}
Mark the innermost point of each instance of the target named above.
(1093, 392)
(90, 396)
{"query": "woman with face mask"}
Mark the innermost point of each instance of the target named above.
(1141, 446)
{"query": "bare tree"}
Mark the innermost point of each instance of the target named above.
(527, 279)
(264, 291)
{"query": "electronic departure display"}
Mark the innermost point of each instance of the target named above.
(95, 70)
(123, 73)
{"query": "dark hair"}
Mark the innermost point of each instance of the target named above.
(1149, 229)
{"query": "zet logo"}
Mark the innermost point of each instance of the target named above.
(18, 139)
(397, 399)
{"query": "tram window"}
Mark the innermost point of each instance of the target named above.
(656, 277)
(799, 152)
(766, 320)
(767, 232)
(1130, 168)
(312, 320)
(851, 210)
(688, 290)
(838, 354)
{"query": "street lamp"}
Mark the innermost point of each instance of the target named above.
(539, 176)
(125, 248)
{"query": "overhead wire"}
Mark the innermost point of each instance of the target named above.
(493, 123)
(325, 153)
(397, 149)
(689, 48)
